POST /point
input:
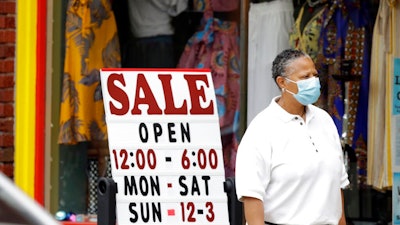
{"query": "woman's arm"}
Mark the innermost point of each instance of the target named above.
(253, 211)
(342, 220)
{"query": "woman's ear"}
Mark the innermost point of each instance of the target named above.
(281, 82)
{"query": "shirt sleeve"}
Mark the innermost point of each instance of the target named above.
(252, 166)
(344, 180)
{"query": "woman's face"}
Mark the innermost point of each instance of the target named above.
(300, 69)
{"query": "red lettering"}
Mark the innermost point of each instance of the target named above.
(169, 98)
(197, 93)
(144, 95)
(147, 99)
(117, 94)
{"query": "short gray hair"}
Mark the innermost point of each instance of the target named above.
(283, 60)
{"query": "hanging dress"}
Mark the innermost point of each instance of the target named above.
(345, 35)
(384, 50)
(91, 44)
(306, 39)
(269, 26)
(216, 46)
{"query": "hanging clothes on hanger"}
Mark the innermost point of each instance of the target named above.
(345, 36)
(305, 36)
(216, 46)
(385, 47)
(91, 44)
(269, 25)
(152, 41)
(307, 28)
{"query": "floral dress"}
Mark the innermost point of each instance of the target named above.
(91, 44)
(216, 46)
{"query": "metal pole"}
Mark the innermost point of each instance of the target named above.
(244, 12)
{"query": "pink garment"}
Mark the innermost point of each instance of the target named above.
(216, 47)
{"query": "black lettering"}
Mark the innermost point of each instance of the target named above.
(144, 186)
(397, 80)
(145, 215)
(171, 132)
(206, 179)
(148, 210)
(155, 186)
(157, 131)
(144, 137)
(130, 185)
(195, 186)
(157, 212)
(185, 132)
(135, 217)
(183, 185)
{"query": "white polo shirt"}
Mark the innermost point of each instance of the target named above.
(296, 168)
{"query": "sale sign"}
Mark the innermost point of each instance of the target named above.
(165, 146)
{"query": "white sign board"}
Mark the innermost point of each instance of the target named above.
(165, 146)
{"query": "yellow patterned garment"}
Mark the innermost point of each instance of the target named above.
(307, 40)
(91, 44)
(385, 48)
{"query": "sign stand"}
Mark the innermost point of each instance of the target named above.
(107, 190)
(235, 208)
(106, 193)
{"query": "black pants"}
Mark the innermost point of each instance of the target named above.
(268, 223)
(151, 52)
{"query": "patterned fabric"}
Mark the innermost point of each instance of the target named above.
(345, 36)
(307, 40)
(215, 46)
(91, 44)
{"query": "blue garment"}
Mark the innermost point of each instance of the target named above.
(346, 37)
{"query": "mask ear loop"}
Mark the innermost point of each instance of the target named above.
(290, 80)
(283, 89)
(290, 92)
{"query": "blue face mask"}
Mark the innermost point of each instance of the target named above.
(309, 90)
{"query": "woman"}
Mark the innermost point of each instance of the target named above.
(289, 167)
